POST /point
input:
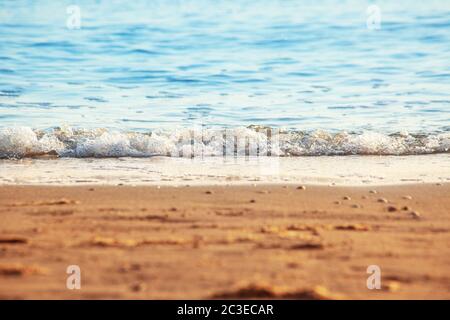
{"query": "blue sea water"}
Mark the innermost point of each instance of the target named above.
(138, 66)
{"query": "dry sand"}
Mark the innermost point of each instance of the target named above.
(225, 242)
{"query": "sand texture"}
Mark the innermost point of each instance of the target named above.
(225, 242)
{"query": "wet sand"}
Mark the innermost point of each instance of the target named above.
(225, 242)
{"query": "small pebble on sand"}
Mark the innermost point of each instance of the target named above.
(406, 208)
(252, 201)
(292, 265)
(391, 209)
(392, 286)
(415, 214)
(301, 188)
(382, 200)
(364, 197)
(407, 197)
(373, 191)
(337, 202)
(209, 192)
(137, 287)
(346, 198)
(355, 206)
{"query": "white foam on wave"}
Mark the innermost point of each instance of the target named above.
(23, 141)
(19, 142)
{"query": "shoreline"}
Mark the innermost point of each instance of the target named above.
(240, 242)
(234, 184)
(327, 170)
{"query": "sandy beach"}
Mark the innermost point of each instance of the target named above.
(265, 241)
(178, 150)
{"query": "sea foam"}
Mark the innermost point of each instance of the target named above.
(20, 142)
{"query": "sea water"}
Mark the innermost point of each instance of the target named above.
(95, 79)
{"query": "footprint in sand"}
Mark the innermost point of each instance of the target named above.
(261, 291)
(13, 240)
(20, 270)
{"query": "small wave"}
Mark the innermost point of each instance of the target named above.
(20, 142)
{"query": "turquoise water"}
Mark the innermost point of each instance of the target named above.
(138, 66)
